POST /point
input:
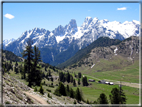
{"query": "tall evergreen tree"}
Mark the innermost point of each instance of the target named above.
(35, 69)
(71, 78)
(78, 95)
(115, 96)
(102, 99)
(79, 75)
(122, 96)
(78, 81)
(71, 93)
(62, 90)
(84, 81)
(68, 77)
(28, 54)
(74, 83)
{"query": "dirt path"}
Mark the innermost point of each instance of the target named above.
(135, 85)
(37, 98)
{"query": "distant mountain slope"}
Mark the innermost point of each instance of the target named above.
(63, 39)
(7, 55)
(110, 57)
(100, 42)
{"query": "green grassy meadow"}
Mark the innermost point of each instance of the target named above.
(93, 91)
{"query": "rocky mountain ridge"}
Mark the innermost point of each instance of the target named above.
(62, 39)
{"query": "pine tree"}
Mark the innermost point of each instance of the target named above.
(16, 64)
(78, 95)
(84, 81)
(78, 81)
(71, 78)
(62, 89)
(74, 83)
(28, 53)
(68, 77)
(102, 99)
(79, 75)
(35, 69)
(115, 96)
(41, 90)
(122, 96)
(71, 93)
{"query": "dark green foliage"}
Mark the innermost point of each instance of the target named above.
(48, 90)
(84, 81)
(78, 95)
(117, 96)
(52, 79)
(60, 90)
(16, 64)
(28, 53)
(49, 73)
(71, 78)
(35, 89)
(67, 90)
(74, 102)
(15, 69)
(11, 56)
(49, 95)
(61, 77)
(74, 83)
(41, 90)
(102, 99)
(79, 75)
(30, 64)
(78, 81)
(72, 93)
(87, 101)
(122, 96)
(68, 77)
(7, 102)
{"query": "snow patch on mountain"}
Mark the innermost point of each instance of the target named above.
(6, 42)
(59, 38)
(115, 50)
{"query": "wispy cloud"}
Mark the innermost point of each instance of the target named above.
(122, 8)
(9, 16)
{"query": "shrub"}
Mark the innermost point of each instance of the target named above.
(35, 89)
(41, 90)
(74, 102)
(48, 90)
(7, 102)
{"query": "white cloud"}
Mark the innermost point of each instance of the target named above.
(122, 8)
(9, 16)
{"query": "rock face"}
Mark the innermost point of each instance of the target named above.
(13, 91)
(62, 39)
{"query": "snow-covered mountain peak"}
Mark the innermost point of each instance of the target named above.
(86, 23)
(88, 18)
(8, 41)
(95, 19)
(59, 30)
(72, 24)
(136, 22)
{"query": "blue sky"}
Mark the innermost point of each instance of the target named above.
(19, 17)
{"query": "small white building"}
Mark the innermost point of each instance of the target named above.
(111, 83)
(106, 82)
